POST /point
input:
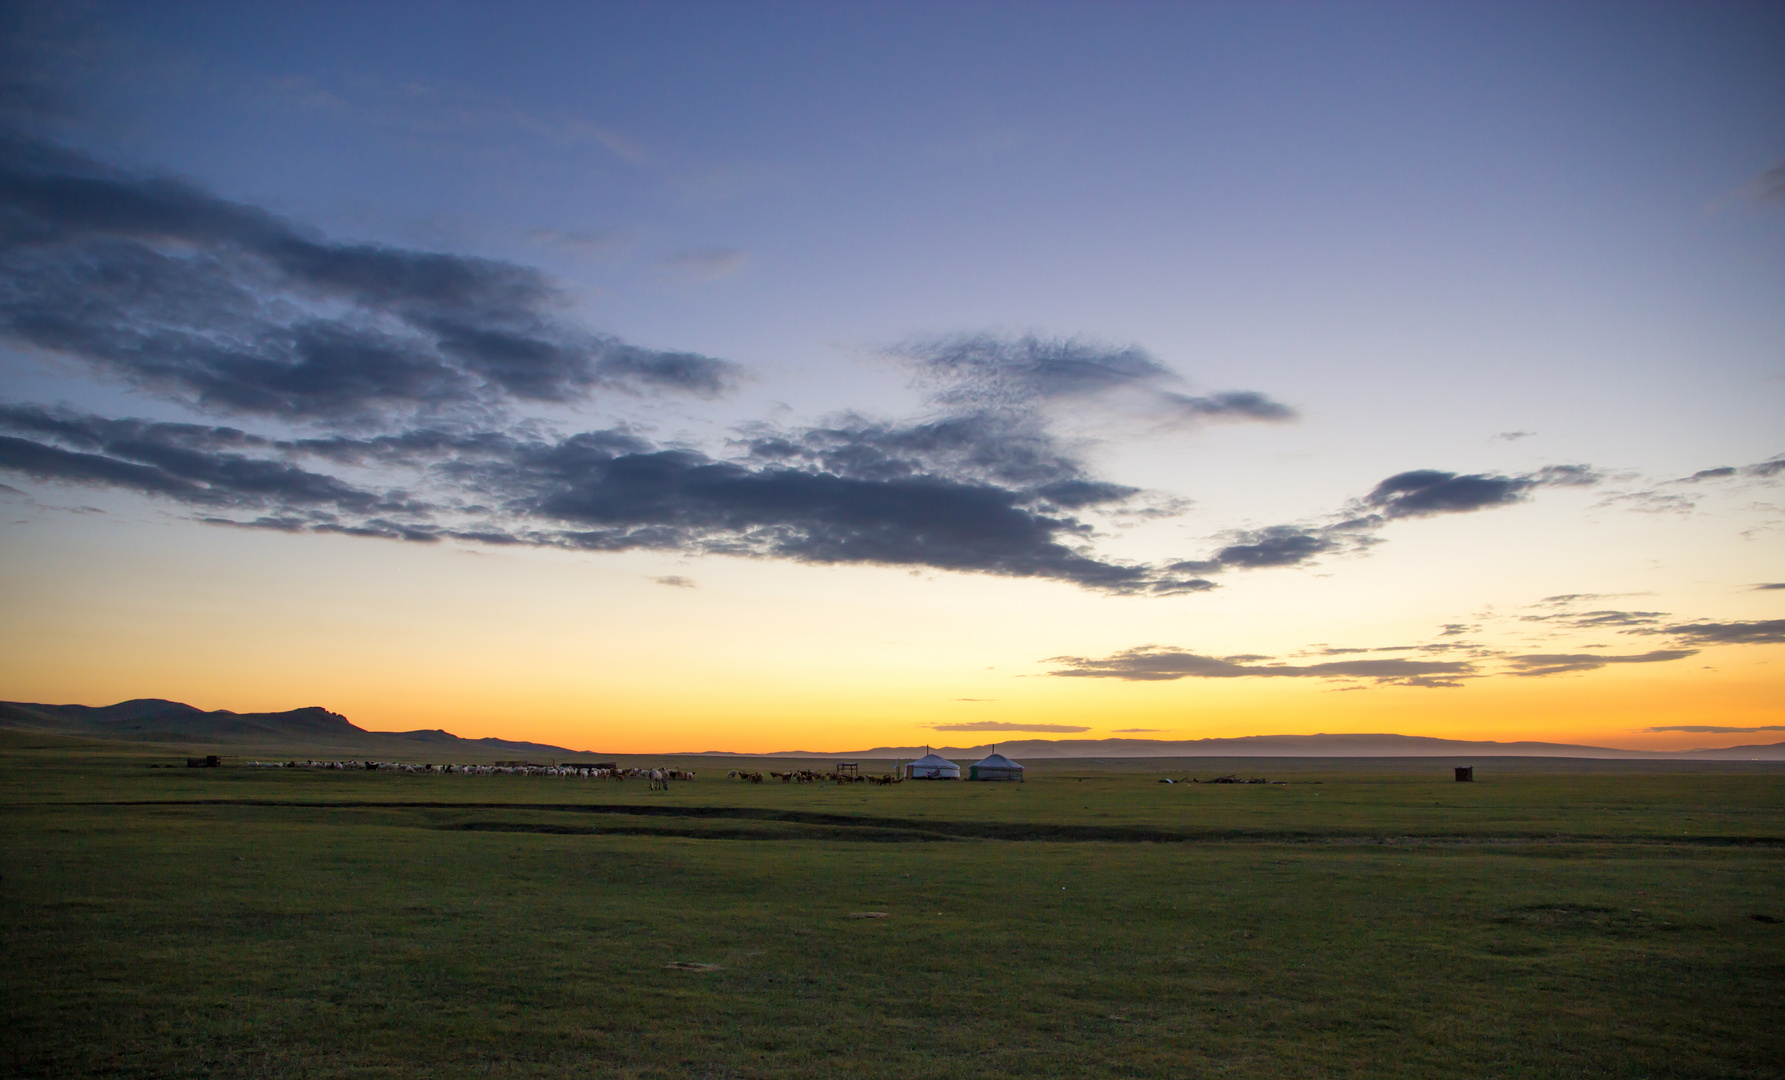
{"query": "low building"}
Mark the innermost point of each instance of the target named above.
(932, 767)
(994, 766)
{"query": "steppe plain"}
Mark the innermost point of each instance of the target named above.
(1368, 918)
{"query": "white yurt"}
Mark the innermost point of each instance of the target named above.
(994, 766)
(932, 767)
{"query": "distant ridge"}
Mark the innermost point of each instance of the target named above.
(1323, 746)
(316, 731)
(311, 730)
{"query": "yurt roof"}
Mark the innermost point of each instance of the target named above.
(996, 761)
(933, 761)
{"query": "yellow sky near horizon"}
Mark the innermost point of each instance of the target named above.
(592, 653)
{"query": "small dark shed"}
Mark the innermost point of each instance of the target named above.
(210, 762)
(1465, 773)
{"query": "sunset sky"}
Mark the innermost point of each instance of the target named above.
(658, 377)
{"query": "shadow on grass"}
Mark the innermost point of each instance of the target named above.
(860, 827)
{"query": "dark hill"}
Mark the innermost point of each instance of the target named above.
(310, 731)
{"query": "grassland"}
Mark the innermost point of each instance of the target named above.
(1366, 919)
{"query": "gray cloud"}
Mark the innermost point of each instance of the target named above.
(587, 243)
(1414, 494)
(1657, 499)
(707, 264)
(411, 355)
(1427, 492)
(1757, 632)
(1648, 502)
(683, 500)
(999, 725)
(1574, 598)
(874, 495)
(190, 463)
(1767, 586)
(675, 581)
(1598, 620)
(228, 307)
(1760, 470)
(983, 372)
(445, 114)
(1152, 663)
(1770, 186)
(1561, 663)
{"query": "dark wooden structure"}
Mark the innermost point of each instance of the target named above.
(1465, 774)
(848, 768)
(209, 762)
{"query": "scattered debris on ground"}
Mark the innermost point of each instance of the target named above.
(867, 914)
(683, 965)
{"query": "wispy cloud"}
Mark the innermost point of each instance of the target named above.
(999, 725)
(230, 308)
(675, 581)
(706, 264)
(1419, 493)
(419, 362)
(1753, 632)
(1541, 664)
(1154, 663)
(584, 243)
(1429, 492)
(986, 372)
(1681, 494)
(1707, 729)
(1769, 186)
(1601, 619)
(880, 501)
(445, 113)
(1157, 663)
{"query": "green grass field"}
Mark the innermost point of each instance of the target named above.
(1366, 919)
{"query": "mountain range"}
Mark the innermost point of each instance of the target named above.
(1320, 746)
(312, 731)
(316, 731)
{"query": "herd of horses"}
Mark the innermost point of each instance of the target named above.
(807, 776)
(659, 778)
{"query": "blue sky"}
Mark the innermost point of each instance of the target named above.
(1483, 242)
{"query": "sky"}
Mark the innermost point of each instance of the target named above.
(753, 377)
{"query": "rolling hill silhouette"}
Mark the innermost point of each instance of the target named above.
(312, 730)
(315, 731)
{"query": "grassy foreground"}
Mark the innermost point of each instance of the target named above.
(1371, 924)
